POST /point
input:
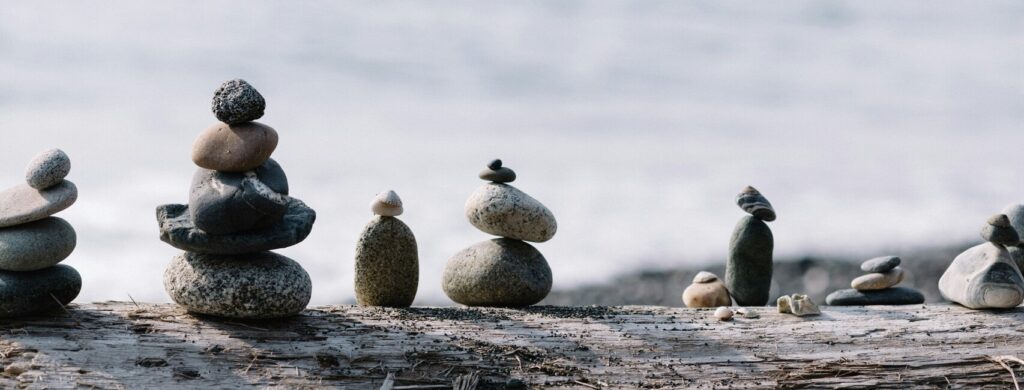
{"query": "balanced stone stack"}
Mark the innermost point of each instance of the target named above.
(33, 242)
(878, 287)
(986, 276)
(748, 273)
(238, 210)
(707, 290)
(387, 261)
(503, 272)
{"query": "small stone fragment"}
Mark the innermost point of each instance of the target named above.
(747, 313)
(751, 201)
(797, 304)
(723, 313)
(998, 230)
(236, 101)
(387, 204)
(47, 169)
(880, 264)
(878, 280)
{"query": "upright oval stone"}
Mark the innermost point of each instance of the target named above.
(503, 210)
(36, 292)
(228, 202)
(983, 277)
(748, 273)
(47, 169)
(255, 285)
(234, 148)
(499, 272)
(387, 264)
(36, 245)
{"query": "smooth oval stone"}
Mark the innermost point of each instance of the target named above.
(704, 277)
(387, 264)
(500, 175)
(880, 264)
(878, 280)
(234, 148)
(253, 285)
(723, 313)
(36, 245)
(748, 272)
(501, 272)
(707, 294)
(387, 203)
(889, 296)
(36, 292)
(177, 229)
(22, 203)
(236, 101)
(505, 211)
(751, 201)
(983, 277)
(229, 202)
(47, 169)
(998, 230)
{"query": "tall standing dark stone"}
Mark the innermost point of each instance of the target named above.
(748, 273)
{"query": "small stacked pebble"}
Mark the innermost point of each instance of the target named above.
(33, 242)
(387, 262)
(707, 290)
(503, 272)
(238, 210)
(878, 287)
(986, 276)
(748, 273)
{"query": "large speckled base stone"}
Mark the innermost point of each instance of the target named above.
(501, 272)
(176, 228)
(227, 202)
(503, 210)
(387, 264)
(36, 245)
(983, 277)
(255, 285)
(748, 273)
(889, 296)
(36, 292)
(22, 204)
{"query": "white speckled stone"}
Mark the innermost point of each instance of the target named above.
(22, 203)
(723, 313)
(36, 245)
(47, 169)
(503, 210)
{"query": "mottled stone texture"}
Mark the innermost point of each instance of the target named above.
(36, 245)
(889, 296)
(748, 273)
(22, 203)
(34, 292)
(228, 202)
(387, 264)
(234, 148)
(503, 210)
(236, 101)
(254, 285)
(47, 169)
(983, 277)
(177, 229)
(501, 272)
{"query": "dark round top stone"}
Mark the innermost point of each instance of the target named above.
(494, 165)
(880, 264)
(999, 220)
(500, 175)
(236, 102)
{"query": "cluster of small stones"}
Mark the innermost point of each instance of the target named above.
(503, 272)
(33, 242)
(987, 276)
(748, 272)
(238, 210)
(877, 287)
(387, 261)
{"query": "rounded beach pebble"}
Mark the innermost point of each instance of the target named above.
(880, 264)
(36, 245)
(878, 280)
(47, 169)
(499, 272)
(387, 264)
(723, 313)
(505, 211)
(22, 204)
(234, 148)
(387, 204)
(34, 292)
(236, 101)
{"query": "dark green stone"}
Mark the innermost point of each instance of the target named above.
(748, 273)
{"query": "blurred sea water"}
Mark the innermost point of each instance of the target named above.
(871, 126)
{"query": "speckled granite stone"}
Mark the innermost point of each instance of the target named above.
(176, 228)
(254, 285)
(503, 210)
(234, 148)
(33, 292)
(748, 272)
(36, 245)
(22, 203)
(983, 277)
(889, 296)
(501, 272)
(235, 101)
(47, 169)
(387, 264)
(228, 202)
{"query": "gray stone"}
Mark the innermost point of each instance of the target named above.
(501, 272)
(176, 228)
(36, 245)
(228, 202)
(37, 292)
(23, 204)
(387, 264)
(878, 280)
(983, 277)
(47, 169)
(494, 164)
(387, 203)
(253, 285)
(500, 175)
(751, 201)
(236, 101)
(748, 272)
(1015, 213)
(880, 264)
(998, 230)
(505, 211)
(889, 296)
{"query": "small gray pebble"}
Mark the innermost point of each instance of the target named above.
(47, 169)
(880, 264)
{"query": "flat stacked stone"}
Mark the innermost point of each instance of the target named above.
(387, 261)
(33, 242)
(503, 272)
(878, 287)
(748, 272)
(238, 211)
(987, 276)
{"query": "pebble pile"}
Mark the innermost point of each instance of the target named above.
(748, 272)
(33, 242)
(986, 276)
(503, 272)
(238, 210)
(878, 287)
(387, 261)
(707, 290)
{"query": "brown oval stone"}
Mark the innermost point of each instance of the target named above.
(234, 148)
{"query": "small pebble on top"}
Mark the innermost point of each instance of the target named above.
(387, 204)
(236, 102)
(47, 169)
(998, 231)
(751, 201)
(880, 264)
(498, 174)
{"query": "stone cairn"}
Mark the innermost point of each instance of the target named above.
(387, 263)
(748, 272)
(238, 210)
(986, 276)
(707, 290)
(878, 287)
(33, 242)
(503, 272)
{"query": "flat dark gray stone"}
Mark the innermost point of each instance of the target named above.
(501, 273)
(880, 264)
(889, 296)
(748, 272)
(233, 202)
(177, 229)
(37, 292)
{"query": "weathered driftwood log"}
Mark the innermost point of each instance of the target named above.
(124, 345)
